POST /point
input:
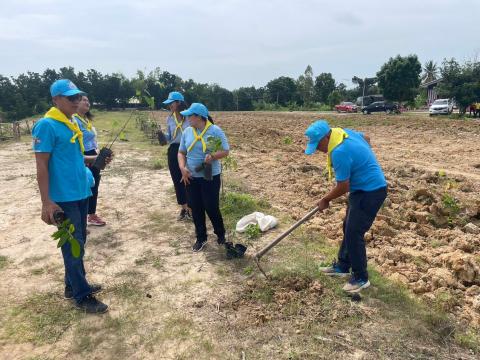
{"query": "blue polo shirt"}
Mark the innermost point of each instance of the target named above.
(355, 161)
(196, 156)
(89, 136)
(66, 168)
(171, 126)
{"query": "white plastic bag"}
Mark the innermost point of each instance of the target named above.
(265, 222)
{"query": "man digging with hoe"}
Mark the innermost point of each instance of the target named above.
(356, 171)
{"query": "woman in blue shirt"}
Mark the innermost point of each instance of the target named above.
(84, 120)
(176, 124)
(203, 194)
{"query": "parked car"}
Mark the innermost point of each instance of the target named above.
(368, 99)
(381, 106)
(346, 107)
(441, 106)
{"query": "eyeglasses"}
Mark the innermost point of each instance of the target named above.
(74, 98)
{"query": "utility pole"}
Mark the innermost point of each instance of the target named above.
(363, 93)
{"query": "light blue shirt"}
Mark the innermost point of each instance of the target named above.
(89, 137)
(355, 161)
(171, 126)
(196, 156)
(67, 177)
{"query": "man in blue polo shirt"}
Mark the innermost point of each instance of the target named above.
(64, 185)
(357, 171)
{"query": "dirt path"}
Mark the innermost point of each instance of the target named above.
(142, 257)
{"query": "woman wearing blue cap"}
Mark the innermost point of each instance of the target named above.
(176, 125)
(358, 173)
(203, 193)
(84, 120)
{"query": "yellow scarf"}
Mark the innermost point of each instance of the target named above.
(179, 126)
(57, 115)
(86, 122)
(200, 137)
(336, 138)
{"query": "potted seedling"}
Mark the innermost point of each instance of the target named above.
(214, 144)
(65, 233)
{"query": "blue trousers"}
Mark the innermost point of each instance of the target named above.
(75, 278)
(363, 207)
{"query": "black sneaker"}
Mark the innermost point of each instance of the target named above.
(188, 216)
(221, 240)
(198, 245)
(91, 305)
(69, 293)
(182, 215)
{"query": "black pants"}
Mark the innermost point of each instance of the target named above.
(176, 174)
(204, 196)
(92, 200)
(363, 207)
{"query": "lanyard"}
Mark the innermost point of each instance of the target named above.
(200, 137)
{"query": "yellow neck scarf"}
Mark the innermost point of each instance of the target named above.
(57, 115)
(86, 122)
(336, 138)
(179, 126)
(200, 137)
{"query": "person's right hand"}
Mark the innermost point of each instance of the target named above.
(186, 175)
(48, 208)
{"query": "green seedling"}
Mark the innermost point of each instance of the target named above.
(65, 233)
(253, 231)
(287, 140)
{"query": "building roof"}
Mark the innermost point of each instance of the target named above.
(431, 83)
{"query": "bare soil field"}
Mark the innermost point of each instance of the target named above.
(169, 303)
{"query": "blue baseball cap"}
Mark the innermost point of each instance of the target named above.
(174, 96)
(316, 132)
(64, 87)
(197, 109)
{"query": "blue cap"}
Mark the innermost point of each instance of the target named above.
(316, 132)
(197, 109)
(174, 96)
(64, 87)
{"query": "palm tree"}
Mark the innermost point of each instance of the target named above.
(430, 71)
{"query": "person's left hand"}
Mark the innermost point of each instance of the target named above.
(209, 158)
(109, 159)
(323, 204)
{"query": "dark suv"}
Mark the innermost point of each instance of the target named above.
(380, 106)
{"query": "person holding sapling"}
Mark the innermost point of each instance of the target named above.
(176, 125)
(84, 118)
(357, 172)
(64, 186)
(193, 156)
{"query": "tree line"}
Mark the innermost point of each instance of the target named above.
(398, 79)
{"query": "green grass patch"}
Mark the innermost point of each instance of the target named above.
(41, 319)
(3, 262)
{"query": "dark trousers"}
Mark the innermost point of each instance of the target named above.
(92, 200)
(204, 196)
(176, 174)
(75, 278)
(363, 207)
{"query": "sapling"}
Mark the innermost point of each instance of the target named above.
(65, 233)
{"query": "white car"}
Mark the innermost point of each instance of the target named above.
(441, 106)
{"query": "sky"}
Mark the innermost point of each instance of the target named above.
(233, 43)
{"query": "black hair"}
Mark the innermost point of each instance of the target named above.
(89, 115)
(209, 118)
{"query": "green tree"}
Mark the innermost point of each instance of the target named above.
(305, 87)
(430, 71)
(244, 98)
(334, 98)
(324, 85)
(460, 82)
(281, 90)
(399, 78)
